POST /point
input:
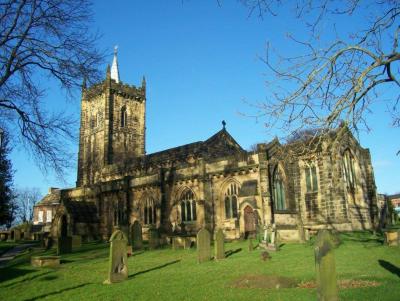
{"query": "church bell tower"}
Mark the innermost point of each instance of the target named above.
(112, 126)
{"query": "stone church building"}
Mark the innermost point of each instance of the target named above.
(213, 183)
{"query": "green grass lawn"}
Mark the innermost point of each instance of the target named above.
(175, 275)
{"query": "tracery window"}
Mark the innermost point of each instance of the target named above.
(188, 206)
(348, 169)
(311, 178)
(231, 197)
(149, 212)
(279, 190)
(124, 117)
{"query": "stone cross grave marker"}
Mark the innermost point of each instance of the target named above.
(118, 268)
(203, 246)
(325, 267)
(137, 238)
(219, 245)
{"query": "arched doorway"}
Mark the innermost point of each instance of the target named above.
(250, 222)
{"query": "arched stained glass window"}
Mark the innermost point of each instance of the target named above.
(231, 197)
(188, 206)
(279, 191)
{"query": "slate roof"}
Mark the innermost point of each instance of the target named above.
(219, 145)
(50, 199)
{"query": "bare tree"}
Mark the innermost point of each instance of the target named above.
(330, 82)
(43, 41)
(26, 198)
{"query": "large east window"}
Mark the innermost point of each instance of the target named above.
(231, 197)
(188, 206)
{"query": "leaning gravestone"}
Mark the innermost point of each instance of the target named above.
(153, 238)
(219, 245)
(118, 268)
(325, 267)
(137, 239)
(203, 246)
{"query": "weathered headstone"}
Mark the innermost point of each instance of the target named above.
(64, 245)
(76, 241)
(325, 267)
(203, 246)
(219, 245)
(154, 238)
(118, 268)
(251, 246)
(137, 238)
(17, 235)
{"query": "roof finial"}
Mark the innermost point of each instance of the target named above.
(114, 67)
(223, 124)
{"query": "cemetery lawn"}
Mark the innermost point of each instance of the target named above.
(367, 270)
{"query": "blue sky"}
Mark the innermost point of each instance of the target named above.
(202, 66)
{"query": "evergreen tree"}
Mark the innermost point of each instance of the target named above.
(7, 210)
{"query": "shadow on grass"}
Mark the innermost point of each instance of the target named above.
(12, 273)
(363, 237)
(155, 268)
(390, 267)
(231, 252)
(58, 292)
(136, 253)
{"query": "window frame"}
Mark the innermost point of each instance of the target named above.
(231, 200)
(280, 204)
(187, 204)
(311, 177)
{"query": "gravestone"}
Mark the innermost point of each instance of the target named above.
(154, 238)
(76, 241)
(118, 268)
(17, 235)
(325, 267)
(64, 245)
(251, 246)
(137, 238)
(219, 245)
(203, 246)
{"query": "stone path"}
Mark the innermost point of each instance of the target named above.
(10, 254)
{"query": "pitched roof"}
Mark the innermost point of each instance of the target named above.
(51, 198)
(219, 145)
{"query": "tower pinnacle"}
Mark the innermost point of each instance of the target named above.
(114, 66)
